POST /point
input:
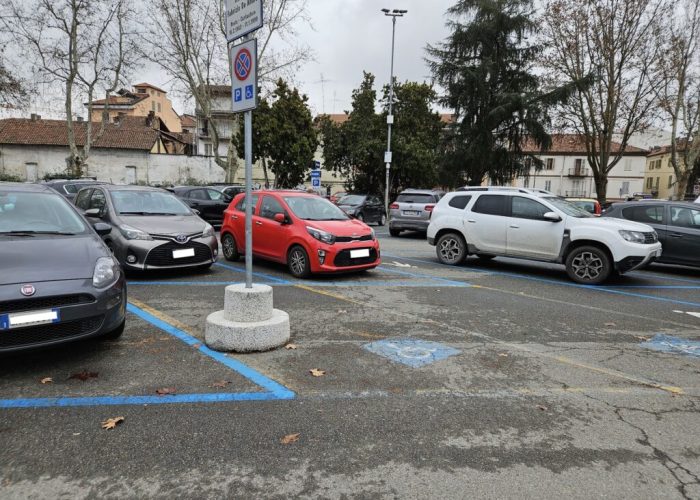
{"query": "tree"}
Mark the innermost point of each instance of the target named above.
(614, 41)
(188, 42)
(12, 89)
(486, 69)
(679, 94)
(82, 45)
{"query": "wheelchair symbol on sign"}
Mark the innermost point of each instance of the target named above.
(248, 91)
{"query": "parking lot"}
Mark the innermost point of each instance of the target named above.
(488, 380)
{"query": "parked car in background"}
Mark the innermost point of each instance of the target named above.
(526, 224)
(152, 228)
(209, 202)
(677, 224)
(588, 204)
(70, 187)
(304, 231)
(335, 198)
(58, 280)
(411, 210)
(366, 208)
(229, 189)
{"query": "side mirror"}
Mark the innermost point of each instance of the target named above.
(102, 229)
(552, 217)
(92, 212)
(281, 218)
(195, 211)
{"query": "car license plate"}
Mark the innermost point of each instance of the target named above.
(18, 320)
(357, 254)
(411, 212)
(185, 252)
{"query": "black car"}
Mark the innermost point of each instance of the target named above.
(58, 280)
(367, 208)
(677, 224)
(70, 187)
(209, 202)
(229, 189)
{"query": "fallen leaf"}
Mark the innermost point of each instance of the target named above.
(342, 311)
(642, 338)
(83, 375)
(164, 391)
(290, 438)
(503, 354)
(197, 345)
(111, 423)
(610, 324)
(542, 407)
(316, 372)
(290, 346)
(221, 383)
(47, 380)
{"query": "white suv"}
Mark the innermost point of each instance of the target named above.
(537, 225)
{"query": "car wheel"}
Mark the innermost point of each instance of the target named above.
(382, 220)
(228, 246)
(588, 265)
(394, 232)
(485, 256)
(451, 249)
(298, 262)
(116, 333)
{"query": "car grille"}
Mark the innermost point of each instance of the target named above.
(47, 333)
(162, 256)
(343, 258)
(346, 239)
(32, 304)
(650, 238)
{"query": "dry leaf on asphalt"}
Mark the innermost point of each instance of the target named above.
(111, 423)
(47, 380)
(197, 345)
(642, 338)
(290, 438)
(164, 391)
(542, 407)
(316, 372)
(221, 383)
(610, 323)
(503, 354)
(342, 311)
(290, 346)
(83, 375)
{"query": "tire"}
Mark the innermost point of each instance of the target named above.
(394, 232)
(229, 248)
(116, 333)
(485, 256)
(382, 220)
(298, 262)
(588, 265)
(451, 249)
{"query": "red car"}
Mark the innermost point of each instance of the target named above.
(304, 231)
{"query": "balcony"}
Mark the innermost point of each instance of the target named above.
(576, 194)
(578, 172)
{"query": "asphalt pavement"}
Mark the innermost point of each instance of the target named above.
(499, 379)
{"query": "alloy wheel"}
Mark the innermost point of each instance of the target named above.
(450, 250)
(297, 261)
(587, 266)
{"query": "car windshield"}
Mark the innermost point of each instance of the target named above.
(352, 199)
(37, 213)
(314, 208)
(415, 198)
(148, 203)
(588, 206)
(567, 207)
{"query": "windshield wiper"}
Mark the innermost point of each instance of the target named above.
(32, 233)
(148, 213)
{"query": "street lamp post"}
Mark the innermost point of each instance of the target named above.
(390, 117)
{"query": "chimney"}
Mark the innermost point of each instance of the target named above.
(79, 118)
(34, 117)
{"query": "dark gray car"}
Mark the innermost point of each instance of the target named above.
(68, 188)
(677, 224)
(411, 210)
(58, 280)
(152, 228)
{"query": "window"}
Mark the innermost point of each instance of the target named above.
(198, 194)
(208, 151)
(525, 208)
(459, 202)
(685, 217)
(215, 195)
(269, 207)
(159, 107)
(130, 175)
(153, 106)
(625, 189)
(97, 201)
(491, 204)
(650, 180)
(547, 185)
(578, 163)
(656, 186)
(526, 182)
(549, 164)
(415, 198)
(670, 181)
(528, 163)
(81, 201)
(241, 204)
(648, 214)
(628, 164)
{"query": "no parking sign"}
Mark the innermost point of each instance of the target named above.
(244, 78)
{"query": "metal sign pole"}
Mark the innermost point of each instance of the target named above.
(248, 144)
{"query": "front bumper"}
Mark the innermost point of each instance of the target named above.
(158, 254)
(640, 259)
(338, 258)
(83, 311)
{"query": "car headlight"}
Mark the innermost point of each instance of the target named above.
(209, 231)
(106, 272)
(131, 233)
(633, 236)
(374, 236)
(321, 235)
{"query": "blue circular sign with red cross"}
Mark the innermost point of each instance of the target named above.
(242, 64)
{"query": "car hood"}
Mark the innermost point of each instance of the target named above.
(165, 224)
(615, 224)
(345, 206)
(352, 227)
(36, 259)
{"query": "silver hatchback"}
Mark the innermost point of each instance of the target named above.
(411, 210)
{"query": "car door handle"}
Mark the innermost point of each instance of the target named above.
(234, 217)
(258, 223)
(471, 220)
(515, 226)
(676, 235)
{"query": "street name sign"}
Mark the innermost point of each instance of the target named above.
(242, 17)
(244, 77)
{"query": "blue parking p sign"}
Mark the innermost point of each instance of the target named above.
(316, 182)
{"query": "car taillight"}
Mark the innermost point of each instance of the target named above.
(429, 208)
(394, 206)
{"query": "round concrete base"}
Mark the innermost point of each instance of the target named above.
(225, 335)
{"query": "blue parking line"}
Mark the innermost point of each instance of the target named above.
(661, 287)
(355, 283)
(424, 276)
(255, 273)
(194, 283)
(647, 274)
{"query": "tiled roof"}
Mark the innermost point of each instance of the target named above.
(336, 118)
(120, 100)
(129, 133)
(574, 144)
(144, 84)
(680, 147)
(447, 118)
(188, 121)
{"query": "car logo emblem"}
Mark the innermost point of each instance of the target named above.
(27, 290)
(181, 238)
